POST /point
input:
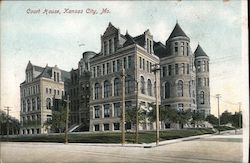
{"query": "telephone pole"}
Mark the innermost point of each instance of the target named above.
(7, 124)
(123, 105)
(137, 116)
(218, 100)
(67, 120)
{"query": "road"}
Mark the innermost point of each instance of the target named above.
(226, 148)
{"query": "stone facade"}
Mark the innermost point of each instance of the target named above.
(41, 86)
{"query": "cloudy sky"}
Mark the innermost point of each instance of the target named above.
(54, 39)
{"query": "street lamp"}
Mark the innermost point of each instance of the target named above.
(155, 68)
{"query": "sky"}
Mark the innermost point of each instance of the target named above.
(60, 39)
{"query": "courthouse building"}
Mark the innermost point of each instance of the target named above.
(41, 86)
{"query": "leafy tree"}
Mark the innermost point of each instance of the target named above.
(197, 117)
(237, 120)
(131, 115)
(226, 117)
(212, 119)
(57, 123)
(184, 117)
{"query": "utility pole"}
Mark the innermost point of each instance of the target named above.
(7, 124)
(67, 120)
(137, 110)
(240, 115)
(218, 100)
(123, 105)
(155, 69)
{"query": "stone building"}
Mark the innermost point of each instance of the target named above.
(79, 91)
(136, 56)
(41, 86)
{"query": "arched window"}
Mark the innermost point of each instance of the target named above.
(48, 103)
(28, 103)
(106, 89)
(128, 85)
(33, 104)
(180, 88)
(116, 87)
(167, 90)
(24, 106)
(97, 90)
(149, 87)
(142, 85)
(38, 103)
(202, 98)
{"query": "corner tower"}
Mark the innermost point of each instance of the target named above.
(202, 78)
(177, 72)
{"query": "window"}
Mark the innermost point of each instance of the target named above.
(98, 71)
(142, 85)
(118, 65)
(116, 87)
(163, 71)
(116, 126)
(187, 68)
(117, 109)
(187, 49)
(207, 66)
(167, 90)
(103, 69)
(97, 112)
(190, 88)
(58, 92)
(169, 70)
(147, 66)
(97, 89)
(128, 85)
(150, 69)
(202, 97)
(207, 81)
(115, 43)
(108, 68)
(47, 91)
(50, 91)
(54, 76)
(110, 46)
(149, 87)
(182, 50)
(143, 64)
(204, 66)
(48, 103)
(124, 62)
(33, 104)
(28, 103)
(199, 66)
(183, 68)
(106, 89)
(150, 47)
(57, 77)
(106, 126)
(106, 110)
(180, 88)
(129, 61)
(94, 73)
(140, 62)
(199, 82)
(176, 69)
(180, 107)
(54, 92)
(38, 103)
(147, 45)
(176, 48)
(24, 106)
(97, 128)
(114, 66)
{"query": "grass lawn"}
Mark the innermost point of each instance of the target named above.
(224, 128)
(111, 137)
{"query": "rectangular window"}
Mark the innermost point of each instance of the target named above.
(163, 71)
(182, 50)
(140, 62)
(129, 61)
(54, 76)
(169, 70)
(106, 126)
(97, 112)
(147, 66)
(113, 66)
(57, 77)
(105, 47)
(199, 66)
(108, 68)
(106, 110)
(187, 68)
(98, 71)
(143, 64)
(118, 65)
(187, 49)
(150, 67)
(176, 69)
(116, 126)
(103, 69)
(94, 73)
(50, 91)
(110, 47)
(124, 62)
(183, 68)
(97, 128)
(46, 90)
(116, 109)
(207, 66)
(199, 82)
(54, 92)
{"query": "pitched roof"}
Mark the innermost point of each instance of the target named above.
(129, 40)
(160, 50)
(199, 51)
(177, 31)
(110, 29)
(140, 40)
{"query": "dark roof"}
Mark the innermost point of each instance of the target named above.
(140, 40)
(110, 30)
(199, 51)
(129, 40)
(38, 68)
(177, 31)
(160, 49)
(46, 73)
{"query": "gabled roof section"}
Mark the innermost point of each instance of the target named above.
(177, 31)
(38, 68)
(29, 66)
(46, 73)
(160, 49)
(129, 40)
(110, 30)
(199, 52)
(140, 40)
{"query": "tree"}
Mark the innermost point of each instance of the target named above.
(184, 117)
(131, 115)
(237, 120)
(57, 123)
(197, 117)
(226, 117)
(212, 119)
